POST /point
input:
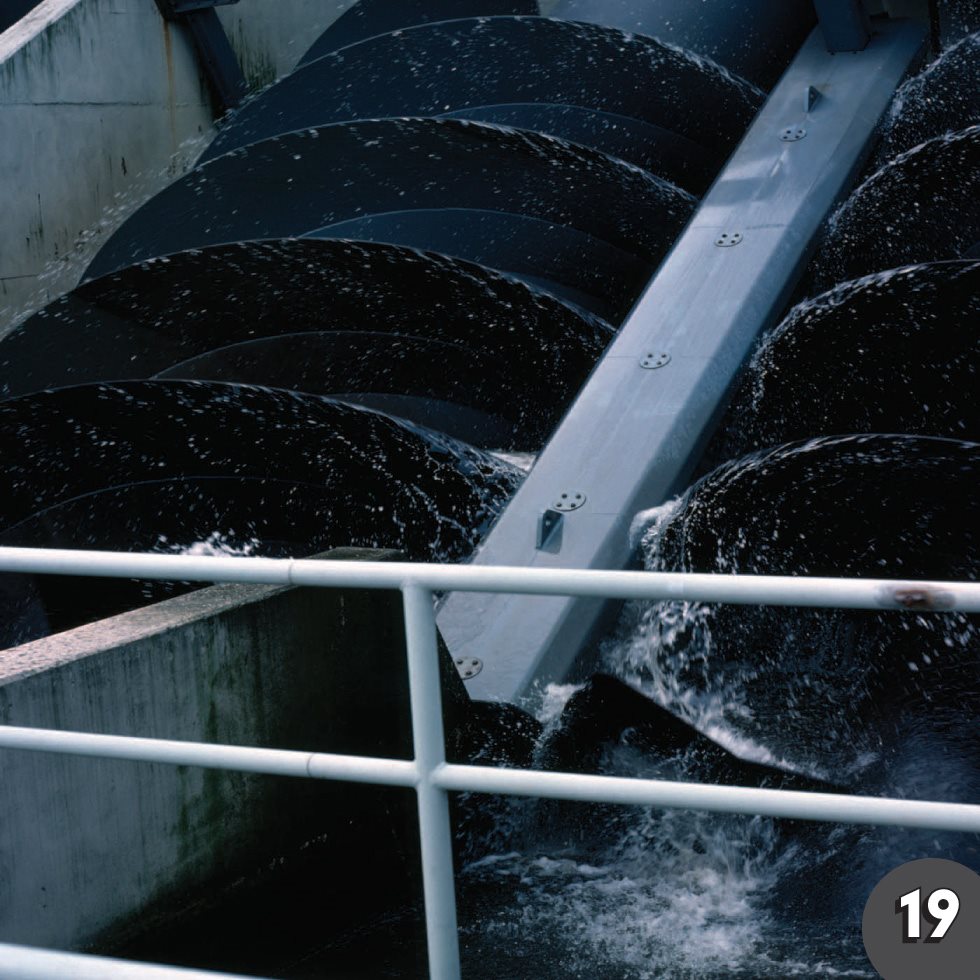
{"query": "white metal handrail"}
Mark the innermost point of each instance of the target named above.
(430, 774)
(776, 590)
(28, 963)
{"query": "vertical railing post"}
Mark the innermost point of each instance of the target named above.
(435, 830)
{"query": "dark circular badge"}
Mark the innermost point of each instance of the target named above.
(923, 920)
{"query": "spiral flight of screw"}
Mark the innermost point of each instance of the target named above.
(420, 240)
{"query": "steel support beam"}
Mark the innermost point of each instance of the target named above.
(633, 435)
(213, 48)
(844, 23)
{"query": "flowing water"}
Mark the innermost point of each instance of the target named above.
(149, 465)
(872, 702)
(908, 338)
(943, 98)
(900, 214)
(865, 702)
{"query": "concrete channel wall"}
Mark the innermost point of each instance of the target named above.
(96, 851)
(101, 104)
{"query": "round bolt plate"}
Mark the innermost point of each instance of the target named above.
(655, 360)
(728, 238)
(571, 500)
(792, 133)
(468, 667)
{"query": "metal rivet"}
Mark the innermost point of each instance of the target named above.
(655, 359)
(468, 667)
(728, 238)
(571, 500)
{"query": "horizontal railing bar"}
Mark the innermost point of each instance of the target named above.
(28, 963)
(517, 782)
(238, 758)
(779, 590)
(792, 804)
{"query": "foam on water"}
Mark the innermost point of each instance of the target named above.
(664, 892)
(552, 703)
(522, 460)
(216, 544)
(566, 891)
(633, 919)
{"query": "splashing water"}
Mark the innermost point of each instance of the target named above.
(906, 335)
(943, 98)
(900, 214)
(638, 893)
(216, 544)
(561, 889)
(660, 646)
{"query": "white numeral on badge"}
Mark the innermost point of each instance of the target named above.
(942, 907)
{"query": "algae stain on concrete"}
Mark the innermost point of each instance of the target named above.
(168, 47)
(215, 783)
(258, 65)
(184, 825)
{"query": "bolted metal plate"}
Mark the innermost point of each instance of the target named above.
(548, 524)
(570, 500)
(792, 134)
(468, 667)
(655, 360)
(728, 238)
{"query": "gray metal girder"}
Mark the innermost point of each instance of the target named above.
(633, 435)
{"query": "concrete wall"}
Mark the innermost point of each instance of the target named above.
(101, 105)
(91, 850)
